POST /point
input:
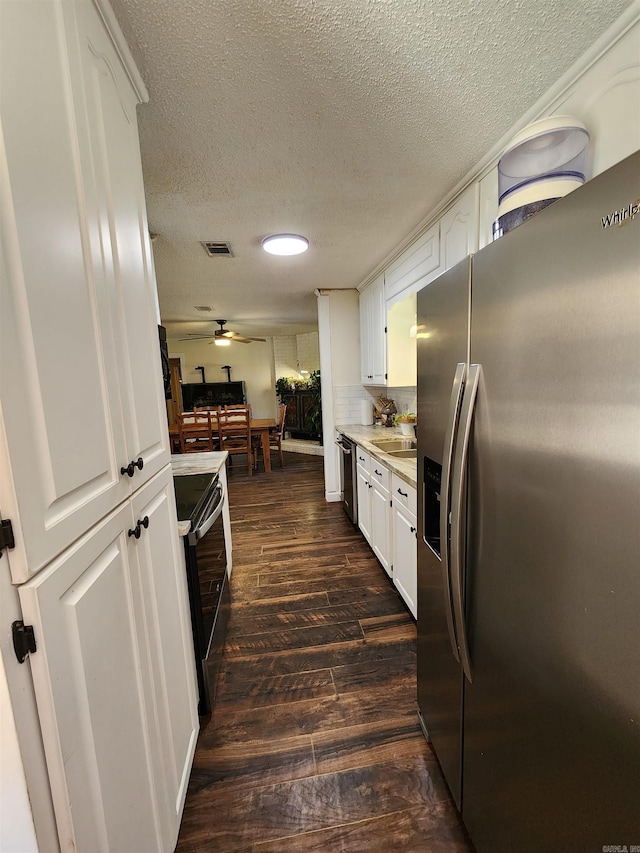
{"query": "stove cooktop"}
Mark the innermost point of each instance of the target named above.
(191, 492)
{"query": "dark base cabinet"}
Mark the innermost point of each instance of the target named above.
(299, 404)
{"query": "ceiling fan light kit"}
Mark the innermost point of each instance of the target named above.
(221, 342)
(285, 244)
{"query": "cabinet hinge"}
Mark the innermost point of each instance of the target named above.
(24, 641)
(6, 536)
(385, 330)
(386, 376)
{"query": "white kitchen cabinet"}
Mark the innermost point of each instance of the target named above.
(416, 266)
(459, 229)
(381, 534)
(113, 669)
(82, 398)
(404, 543)
(164, 617)
(488, 202)
(372, 333)
(374, 511)
(364, 493)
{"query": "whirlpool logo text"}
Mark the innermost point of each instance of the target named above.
(622, 216)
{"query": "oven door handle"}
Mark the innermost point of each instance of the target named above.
(213, 516)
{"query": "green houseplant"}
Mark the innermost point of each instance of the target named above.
(314, 414)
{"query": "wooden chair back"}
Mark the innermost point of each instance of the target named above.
(276, 435)
(234, 432)
(196, 432)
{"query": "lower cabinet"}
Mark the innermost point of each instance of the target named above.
(387, 512)
(374, 511)
(405, 575)
(364, 493)
(381, 535)
(114, 677)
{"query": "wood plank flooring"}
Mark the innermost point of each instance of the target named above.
(314, 744)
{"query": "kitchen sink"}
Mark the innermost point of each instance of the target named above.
(389, 445)
(403, 454)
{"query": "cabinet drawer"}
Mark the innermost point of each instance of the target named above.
(379, 474)
(404, 494)
(363, 459)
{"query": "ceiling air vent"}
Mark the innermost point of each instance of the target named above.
(217, 250)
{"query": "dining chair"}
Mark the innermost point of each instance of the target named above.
(233, 407)
(234, 433)
(196, 432)
(276, 435)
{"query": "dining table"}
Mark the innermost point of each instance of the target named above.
(259, 427)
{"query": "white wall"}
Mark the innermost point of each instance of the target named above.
(252, 363)
(339, 335)
(17, 832)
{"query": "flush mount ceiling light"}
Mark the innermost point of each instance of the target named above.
(285, 244)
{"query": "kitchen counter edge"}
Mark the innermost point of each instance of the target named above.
(208, 462)
(406, 469)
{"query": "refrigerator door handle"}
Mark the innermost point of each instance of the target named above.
(457, 513)
(445, 498)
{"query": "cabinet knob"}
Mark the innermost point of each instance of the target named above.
(413, 530)
(137, 530)
(130, 470)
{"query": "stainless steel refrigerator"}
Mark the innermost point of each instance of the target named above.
(529, 526)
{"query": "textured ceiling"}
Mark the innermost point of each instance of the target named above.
(344, 121)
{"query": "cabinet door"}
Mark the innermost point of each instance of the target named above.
(459, 229)
(364, 503)
(378, 332)
(164, 625)
(110, 105)
(89, 679)
(381, 526)
(365, 336)
(405, 575)
(488, 205)
(59, 385)
(416, 266)
(372, 333)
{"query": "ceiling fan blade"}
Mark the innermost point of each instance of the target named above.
(196, 337)
(244, 339)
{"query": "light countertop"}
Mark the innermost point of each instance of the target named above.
(208, 462)
(406, 469)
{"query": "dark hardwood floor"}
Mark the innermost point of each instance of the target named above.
(314, 744)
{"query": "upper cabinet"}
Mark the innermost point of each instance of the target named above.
(372, 333)
(82, 397)
(416, 266)
(459, 228)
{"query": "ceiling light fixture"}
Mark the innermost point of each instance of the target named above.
(285, 244)
(222, 342)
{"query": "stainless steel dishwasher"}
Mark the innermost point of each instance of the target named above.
(349, 476)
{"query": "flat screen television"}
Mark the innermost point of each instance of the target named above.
(212, 394)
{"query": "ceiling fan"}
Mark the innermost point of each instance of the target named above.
(222, 333)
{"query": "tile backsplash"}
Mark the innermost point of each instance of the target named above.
(347, 405)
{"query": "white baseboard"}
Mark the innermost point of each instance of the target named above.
(333, 497)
